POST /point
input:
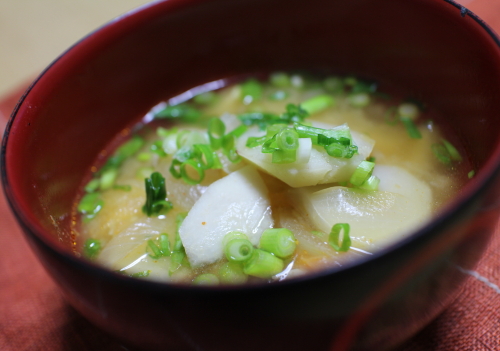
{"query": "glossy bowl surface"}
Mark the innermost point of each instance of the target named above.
(433, 49)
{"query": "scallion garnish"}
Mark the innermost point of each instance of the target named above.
(205, 98)
(142, 274)
(122, 187)
(358, 99)
(263, 264)
(91, 248)
(454, 154)
(411, 128)
(190, 168)
(279, 241)
(334, 85)
(216, 130)
(157, 148)
(371, 183)
(317, 104)
(238, 250)
(471, 174)
(409, 110)
(280, 79)
(178, 257)
(156, 194)
(362, 173)
(159, 248)
(206, 279)
(107, 179)
(334, 239)
(251, 90)
(232, 273)
(126, 150)
(92, 185)
(181, 111)
(90, 205)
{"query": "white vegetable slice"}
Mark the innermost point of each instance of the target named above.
(378, 217)
(320, 168)
(237, 202)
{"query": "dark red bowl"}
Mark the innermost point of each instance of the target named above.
(434, 49)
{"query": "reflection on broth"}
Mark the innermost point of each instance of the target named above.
(264, 181)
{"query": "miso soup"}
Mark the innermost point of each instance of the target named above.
(266, 180)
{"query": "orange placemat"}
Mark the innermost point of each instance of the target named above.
(33, 315)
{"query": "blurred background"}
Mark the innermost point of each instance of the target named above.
(35, 32)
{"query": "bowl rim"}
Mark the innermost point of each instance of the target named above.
(121, 24)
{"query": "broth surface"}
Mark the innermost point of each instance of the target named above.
(414, 183)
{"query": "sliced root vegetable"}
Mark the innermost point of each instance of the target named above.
(237, 202)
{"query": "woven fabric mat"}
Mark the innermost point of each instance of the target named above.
(34, 316)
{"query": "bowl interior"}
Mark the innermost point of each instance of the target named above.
(110, 79)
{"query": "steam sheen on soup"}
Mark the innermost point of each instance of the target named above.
(266, 180)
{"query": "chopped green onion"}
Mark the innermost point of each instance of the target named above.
(371, 183)
(92, 186)
(91, 248)
(251, 90)
(90, 205)
(412, 130)
(279, 95)
(159, 249)
(156, 194)
(232, 273)
(441, 153)
(334, 237)
(144, 156)
(108, 178)
(362, 173)
(238, 250)
(157, 148)
(178, 257)
(229, 149)
(297, 81)
(263, 264)
(255, 141)
(233, 235)
(122, 187)
(216, 130)
(287, 139)
(142, 274)
(181, 111)
(471, 174)
(281, 156)
(363, 87)
(196, 167)
(156, 252)
(205, 98)
(238, 131)
(205, 155)
(126, 150)
(409, 110)
(359, 99)
(317, 103)
(334, 85)
(280, 80)
(206, 279)
(454, 154)
(279, 241)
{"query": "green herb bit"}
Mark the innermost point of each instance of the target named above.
(156, 194)
(371, 183)
(192, 172)
(471, 174)
(124, 151)
(441, 153)
(363, 87)
(279, 241)
(142, 274)
(108, 178)
(144, 156)
(92, 185)
(122, 187)
(409, 110)
(251, 90)
(206, 279)
(411, 128)
(454, 154)
(317, 104)
(91, 248)
(278, 95)
(157, 148)
(280, 80)
(216, 130)
(160, 248)
(90, 205)
(334, 237)
(178, 257)
(359, 99)
(334, 85)
(238, 250)
(263, 264)
(206, 98)
(229, 149)
(362, 173)
(232, 273)
(182, 111)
